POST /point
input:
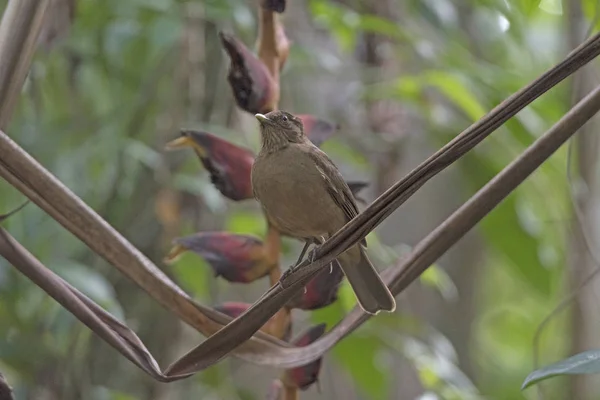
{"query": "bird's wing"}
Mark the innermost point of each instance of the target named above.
(335, 183)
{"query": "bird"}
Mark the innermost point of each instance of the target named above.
(303, 195)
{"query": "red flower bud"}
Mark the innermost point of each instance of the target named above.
(303, 377)
(229, 165)
(252, 85)
(318, 130)
(237, 258)
(321, 291)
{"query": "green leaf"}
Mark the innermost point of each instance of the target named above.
(194, 274)
(439, 279)
(385, 27)
(342, 22)
(357, 354)
(587, 362)
(551, 6)
(505, 230)
(246, 222)
(457, 92)
(92, 284)
(591, 8)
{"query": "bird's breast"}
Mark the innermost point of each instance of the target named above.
(293, 195)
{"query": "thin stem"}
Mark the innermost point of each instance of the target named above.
(267, 42)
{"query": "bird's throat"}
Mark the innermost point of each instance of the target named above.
(272, 140)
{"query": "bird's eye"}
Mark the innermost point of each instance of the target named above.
(284, 118)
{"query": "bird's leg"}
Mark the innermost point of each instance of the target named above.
(311, 255)
(306, 246)
(291, 269)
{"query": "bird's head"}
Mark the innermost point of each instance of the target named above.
(279, 128)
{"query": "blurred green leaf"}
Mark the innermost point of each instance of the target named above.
(342, 22)
(456, 91)
(505, 233)
(591, 10)
(92, 284)
(357, 355)
(439, 279)
(193, 274)
(551, 6)
(245, 222)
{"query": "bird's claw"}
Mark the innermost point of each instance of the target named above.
(287, 272)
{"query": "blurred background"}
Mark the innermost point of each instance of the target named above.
(113, 81)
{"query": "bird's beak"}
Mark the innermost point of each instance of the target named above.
(262, 118)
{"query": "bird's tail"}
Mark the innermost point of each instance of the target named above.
(372, 294)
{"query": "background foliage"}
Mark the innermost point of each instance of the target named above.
(402, 78)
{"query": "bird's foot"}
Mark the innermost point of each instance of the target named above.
(311, 259)
(287, 272)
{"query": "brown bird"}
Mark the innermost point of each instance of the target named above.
(304, 196)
